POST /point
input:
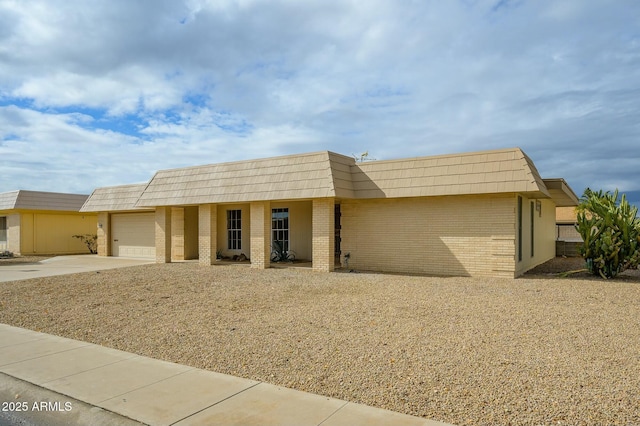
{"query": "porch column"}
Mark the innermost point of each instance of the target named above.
(207, 233)
(104, 234)
(260, 235)
(163, 234)
(323, 218)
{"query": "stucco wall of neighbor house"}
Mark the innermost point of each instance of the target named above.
(40, 232)
(450, 235)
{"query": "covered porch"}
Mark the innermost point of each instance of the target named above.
(230, 233)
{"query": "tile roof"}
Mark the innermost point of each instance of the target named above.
(37, 200)
(327, 174)
(508, 170)
(114, 198)
(279, 178)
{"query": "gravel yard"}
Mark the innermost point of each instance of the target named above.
(538, 350)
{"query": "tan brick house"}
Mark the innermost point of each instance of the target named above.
(474, 214)
(35, 222)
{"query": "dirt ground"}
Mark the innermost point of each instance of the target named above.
(537, 350)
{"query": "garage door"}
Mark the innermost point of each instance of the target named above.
(133, 235)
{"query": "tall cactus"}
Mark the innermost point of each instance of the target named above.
(611, 233)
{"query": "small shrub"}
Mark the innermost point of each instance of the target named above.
(90, 240)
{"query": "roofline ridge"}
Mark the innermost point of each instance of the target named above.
(459, 154)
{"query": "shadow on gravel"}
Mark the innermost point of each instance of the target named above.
(574, 268)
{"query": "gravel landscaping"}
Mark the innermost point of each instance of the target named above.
(538, 350)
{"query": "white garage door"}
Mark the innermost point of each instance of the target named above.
(133, 235)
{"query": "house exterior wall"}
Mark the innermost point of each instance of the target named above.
(207, 218)
(43, 232)
(544, 233)
(222, 240)
(323, 234)
(260, 234)
(300, 227)
(451, 235)
(13, 233)
(104, 234)
(177, 234)
(163, 234)
(191, 232)
(3, 233)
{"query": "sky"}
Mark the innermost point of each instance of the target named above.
(106, 93)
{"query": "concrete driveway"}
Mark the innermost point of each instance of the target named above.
(62, 265)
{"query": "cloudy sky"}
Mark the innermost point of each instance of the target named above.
(107, 92)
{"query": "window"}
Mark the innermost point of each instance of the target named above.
(234, 229)
(3, 229)
(519, 218)
(280, 227)
(533, 209)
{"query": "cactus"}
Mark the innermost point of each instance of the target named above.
(610, 231)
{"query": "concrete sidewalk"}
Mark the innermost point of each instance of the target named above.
(62, 265)
(156, 392)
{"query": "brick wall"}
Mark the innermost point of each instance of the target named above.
(323, 218)
(457, 235)
(104, 234)
(260, 234)
(207, 233)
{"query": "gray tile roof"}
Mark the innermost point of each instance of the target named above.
(36, 200)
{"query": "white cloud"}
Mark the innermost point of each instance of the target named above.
(131, 87)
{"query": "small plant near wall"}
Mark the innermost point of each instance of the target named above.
(279, 254)
(90, 240)
(610, 230)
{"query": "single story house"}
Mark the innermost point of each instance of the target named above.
(473, 214)
(33, 222)
(568, 239)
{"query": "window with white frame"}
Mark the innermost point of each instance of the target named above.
(234, 229)
(280, 227)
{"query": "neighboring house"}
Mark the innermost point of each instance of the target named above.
(473, 214)
(566, 220)
(34, 222)
(568, 239)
